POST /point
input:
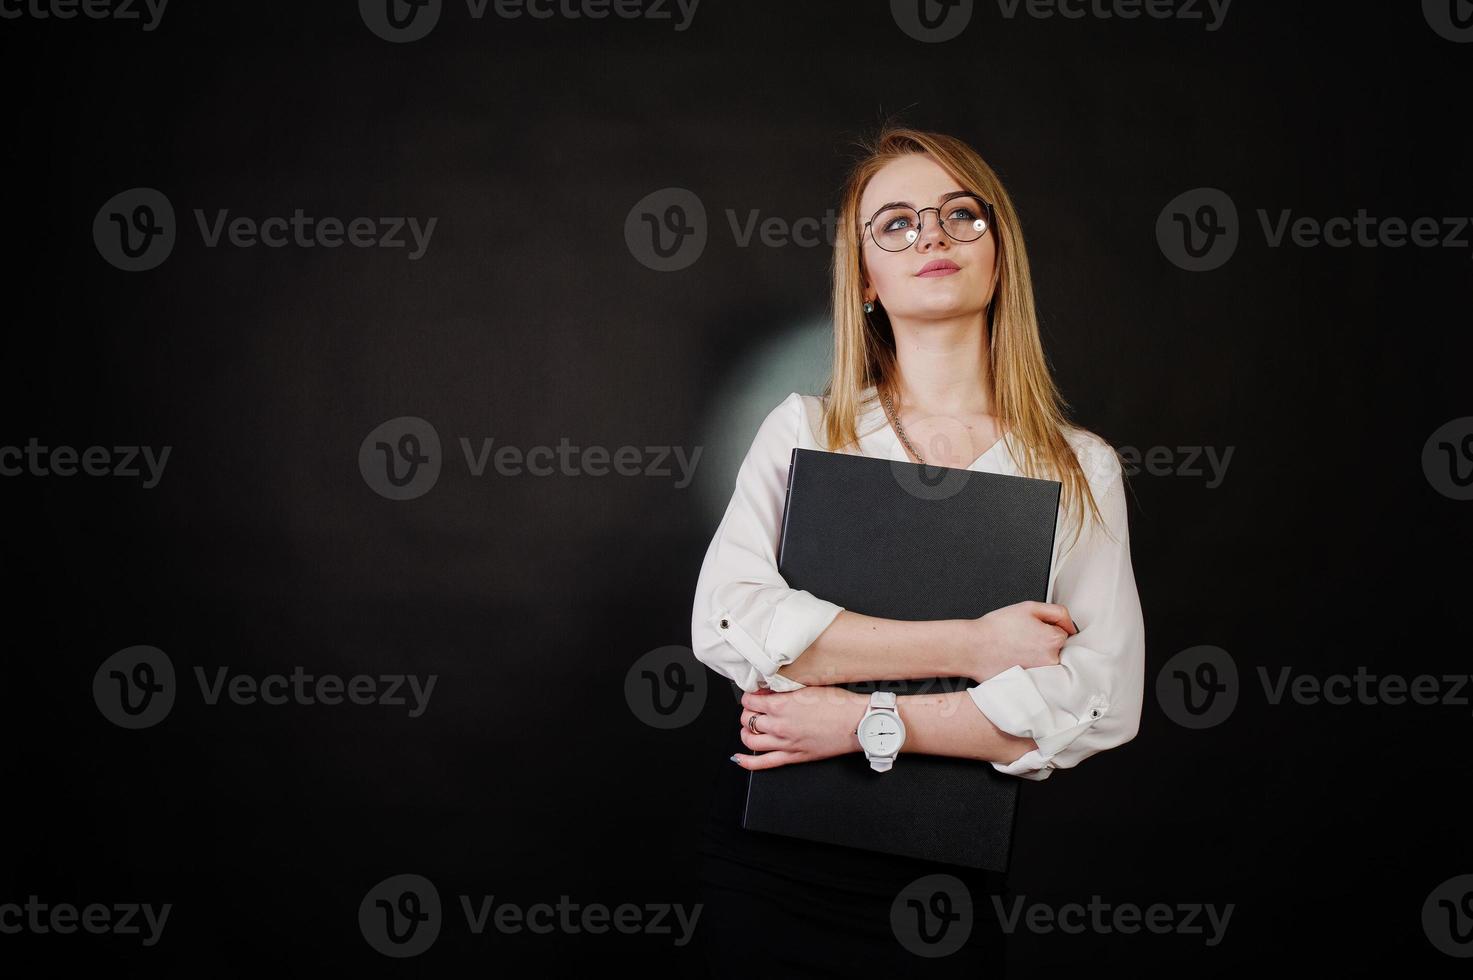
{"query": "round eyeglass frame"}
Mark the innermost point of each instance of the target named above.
(921, 224)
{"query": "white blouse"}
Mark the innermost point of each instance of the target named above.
(1089, 701)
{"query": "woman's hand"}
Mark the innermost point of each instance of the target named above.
(806, 725)
(1028, 634)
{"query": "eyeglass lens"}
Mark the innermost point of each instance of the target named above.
(963, 218)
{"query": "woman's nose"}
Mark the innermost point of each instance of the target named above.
(931, 233)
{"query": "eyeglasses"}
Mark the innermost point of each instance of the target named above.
(896, 228)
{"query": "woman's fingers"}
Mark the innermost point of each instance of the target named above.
(765, 724)
(764, 742)
(767, 760)
(1052, 612)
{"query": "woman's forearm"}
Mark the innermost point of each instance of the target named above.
(952, 724)
(856, 647)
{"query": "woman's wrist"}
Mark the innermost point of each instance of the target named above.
(977, 654)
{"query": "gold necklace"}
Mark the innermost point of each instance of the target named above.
(899, 429)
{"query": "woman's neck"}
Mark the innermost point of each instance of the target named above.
(943, 369)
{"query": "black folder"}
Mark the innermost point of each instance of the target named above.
(908, 541)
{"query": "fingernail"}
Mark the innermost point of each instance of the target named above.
(736, 760)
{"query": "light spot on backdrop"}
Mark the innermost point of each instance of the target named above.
(796, 359)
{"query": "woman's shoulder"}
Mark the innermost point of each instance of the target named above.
(1097, 458)
(868, 415)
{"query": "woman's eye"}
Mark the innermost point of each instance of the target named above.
(963, 213)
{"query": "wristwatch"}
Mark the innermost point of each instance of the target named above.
(881, 732)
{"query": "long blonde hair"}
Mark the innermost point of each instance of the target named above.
(1025, 398)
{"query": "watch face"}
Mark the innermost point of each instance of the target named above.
(881, 733)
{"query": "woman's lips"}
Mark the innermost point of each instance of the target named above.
(931, 270)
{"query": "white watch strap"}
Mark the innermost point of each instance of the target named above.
(880, 700)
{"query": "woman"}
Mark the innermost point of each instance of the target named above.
(937, 359)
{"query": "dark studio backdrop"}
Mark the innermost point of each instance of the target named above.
(1298, 409)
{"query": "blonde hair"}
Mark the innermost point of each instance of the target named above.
(1025, 398)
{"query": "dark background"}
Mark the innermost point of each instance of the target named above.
(528, 319)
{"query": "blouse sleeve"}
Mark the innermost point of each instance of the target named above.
(1091, 699)
(746, 622)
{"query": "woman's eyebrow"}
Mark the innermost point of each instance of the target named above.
(940, 200)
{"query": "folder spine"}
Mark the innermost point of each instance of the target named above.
(782, 538)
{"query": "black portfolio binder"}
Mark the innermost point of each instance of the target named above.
(907, 541)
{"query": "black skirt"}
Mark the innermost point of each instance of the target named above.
(775, 906)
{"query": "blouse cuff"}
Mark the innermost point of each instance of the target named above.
(1012, 702)
(796, 622)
